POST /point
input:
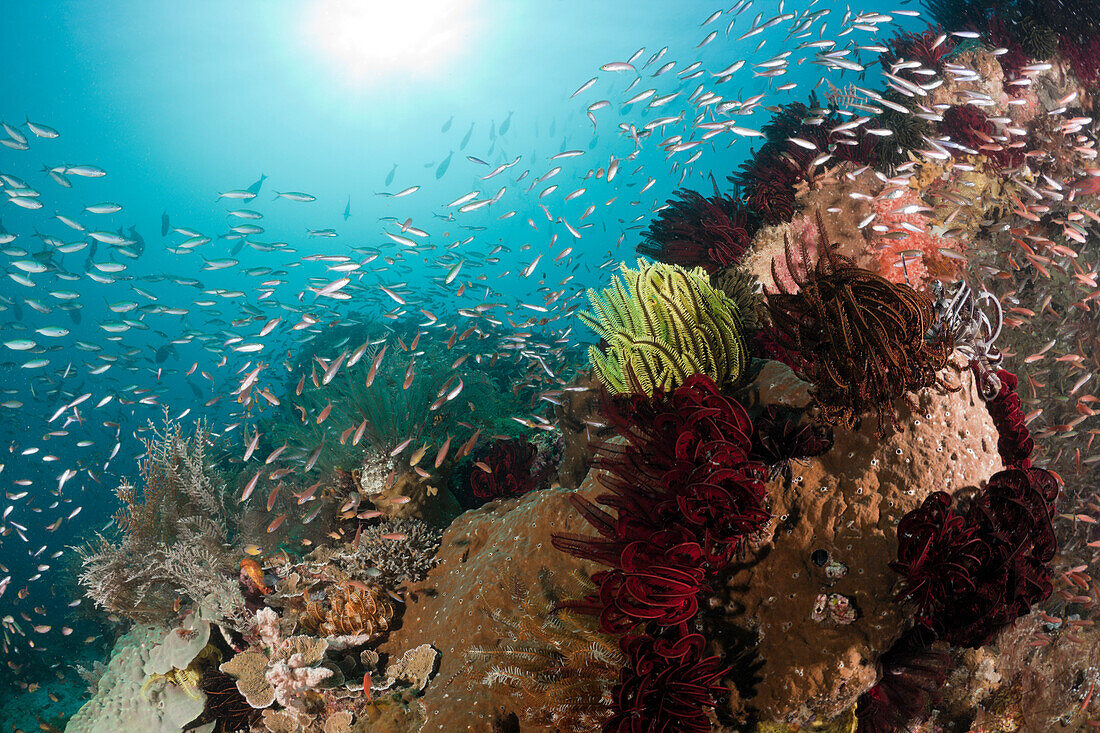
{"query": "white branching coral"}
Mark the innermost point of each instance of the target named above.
(172, 537)
(292, 678)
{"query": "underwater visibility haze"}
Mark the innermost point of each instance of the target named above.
(472, 365)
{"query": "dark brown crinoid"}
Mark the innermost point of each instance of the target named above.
(862, 340)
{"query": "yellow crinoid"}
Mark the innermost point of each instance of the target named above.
(662, 324)
(186, 679)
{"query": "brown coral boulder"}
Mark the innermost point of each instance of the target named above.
(482, 552)
(820, 620)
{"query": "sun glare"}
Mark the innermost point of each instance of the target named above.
(372, 38)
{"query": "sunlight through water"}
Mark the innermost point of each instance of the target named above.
(368, 39)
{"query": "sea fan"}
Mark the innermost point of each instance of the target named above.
(694, 231)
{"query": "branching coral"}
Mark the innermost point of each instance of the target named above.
(396, 551)
(663, 324)
(172, 536)
(861, 339)
(694, 231)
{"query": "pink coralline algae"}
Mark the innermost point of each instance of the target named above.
(902, 233)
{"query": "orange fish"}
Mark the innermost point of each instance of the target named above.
(374, 365)
(255, 573)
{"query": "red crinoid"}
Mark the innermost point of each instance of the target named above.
(937, 554)
(666, 686)
(694, 231)
(1014, 58)
(685, 465)
(922, 47)
(1014, 442)
(682, 483)
(967, 125)
(970, 576)
(1083, 54)
(658, 581)
(911, 675)
(509, 461)
(780, 437)
(858, 147)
